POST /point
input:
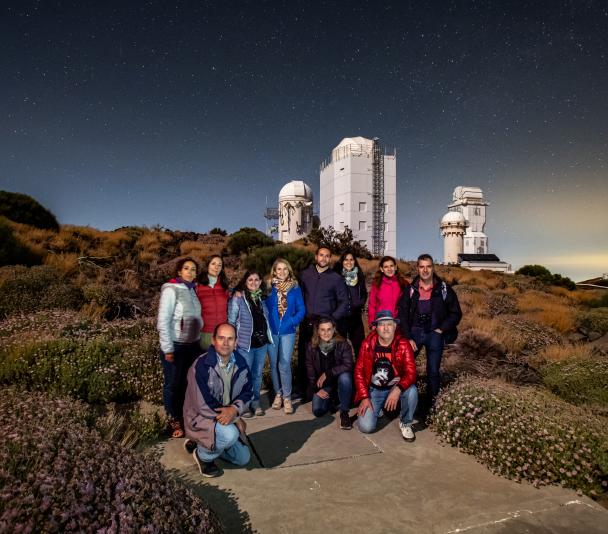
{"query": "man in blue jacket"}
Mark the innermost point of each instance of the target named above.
(219, 392)
(325, 295)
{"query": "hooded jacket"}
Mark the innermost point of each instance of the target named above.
(205, 393)
(401, 357)
(179, 316)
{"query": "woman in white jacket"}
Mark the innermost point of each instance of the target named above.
(179, 326)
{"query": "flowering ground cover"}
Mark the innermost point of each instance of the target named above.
(59, 475)
(525, 433)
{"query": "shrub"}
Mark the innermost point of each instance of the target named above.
(263, 258)
(91, 360)
(595, 320)
(247, 239)
(59, 475)
(23, 290)
(339, 242)
(525, 434)
(544, 275)
(579, 381)
(12, 250)
(24, 209)
(600, 302)
(218, 231)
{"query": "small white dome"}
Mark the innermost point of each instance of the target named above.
(453, 218)
(296, 188)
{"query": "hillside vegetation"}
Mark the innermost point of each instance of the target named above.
(80, 324)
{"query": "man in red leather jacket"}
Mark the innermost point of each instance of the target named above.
(385, 376)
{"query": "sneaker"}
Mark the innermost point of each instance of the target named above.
(248, 414)
(189, 445)
(380, 413)
(207, 469)
(277, 402)
(259, 411)
(287, 406)
(345, 422)
(407, 431)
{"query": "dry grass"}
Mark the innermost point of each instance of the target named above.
(495, 328)
(548, 309)
(559, 353)
(65, 263)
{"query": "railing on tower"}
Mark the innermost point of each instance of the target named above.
(378, 199)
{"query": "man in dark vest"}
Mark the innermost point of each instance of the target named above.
(429, 313)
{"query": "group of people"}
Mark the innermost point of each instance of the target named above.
(214, 343)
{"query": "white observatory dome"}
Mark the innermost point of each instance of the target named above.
(296, 189)
(453, 218)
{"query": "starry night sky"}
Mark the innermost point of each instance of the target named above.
(191, 114)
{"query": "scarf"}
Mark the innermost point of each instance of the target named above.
(255, 296)
(327, 346)
(189, 285)
(282, 288)
(212, 280)
(351, 277)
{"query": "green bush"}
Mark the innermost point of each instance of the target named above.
(13, 251)
(525, 434)
(544, 275)
(601, 302)
(218, 231)
(89, 360)
(25, 210)
(247, 239)
(595, 320)
(24, 290)
(262, 258)
(580, 381)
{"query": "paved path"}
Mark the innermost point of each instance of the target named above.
(313, 477)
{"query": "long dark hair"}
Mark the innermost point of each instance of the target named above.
(242, 285)
(379, 274)
(182, 261)
(339, 265)
(222, 278)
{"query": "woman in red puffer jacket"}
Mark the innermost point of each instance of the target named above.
(212, 292)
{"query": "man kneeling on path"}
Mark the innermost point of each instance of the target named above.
(219, 391)
(329, 367)
(385, 375)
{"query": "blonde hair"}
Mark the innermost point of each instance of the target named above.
(287, 264)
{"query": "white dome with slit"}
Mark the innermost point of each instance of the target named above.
(296, 189)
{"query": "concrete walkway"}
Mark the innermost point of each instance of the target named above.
(310, 476)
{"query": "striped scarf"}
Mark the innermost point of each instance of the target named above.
(282, 287)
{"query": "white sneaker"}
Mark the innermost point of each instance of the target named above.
(277, 402)
(407, 432)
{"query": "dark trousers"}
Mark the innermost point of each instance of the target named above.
(351, 327)
(304, 337)
(433, 342)
(175, 374)
(342, 385)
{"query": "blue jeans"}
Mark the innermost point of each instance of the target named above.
(280, 363)
(408, 400)
(255, 361)
(227, 446)
(345, 391)
(175, 374)
(433, 341)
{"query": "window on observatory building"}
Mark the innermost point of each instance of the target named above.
(362, 225)
(341, 224)
(477, 211)
(362, 206)
(342, 206)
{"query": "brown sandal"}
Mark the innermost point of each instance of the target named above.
(176, 428)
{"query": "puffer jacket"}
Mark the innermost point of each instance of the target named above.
(179, 316)
(205, 393)
(402, 359)
(293, 315)
(214, 305)
(384, 297)
(239, 315)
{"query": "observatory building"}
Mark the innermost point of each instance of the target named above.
(359, 191)
(462, 228)
(295, 211)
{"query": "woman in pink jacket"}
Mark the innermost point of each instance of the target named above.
(387, 286)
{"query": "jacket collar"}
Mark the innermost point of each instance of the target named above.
(398, 336)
